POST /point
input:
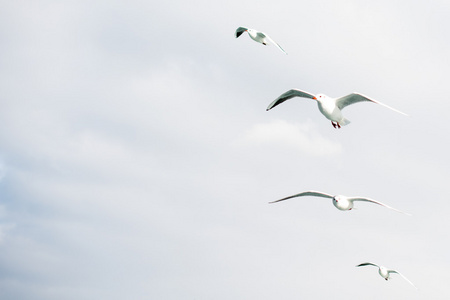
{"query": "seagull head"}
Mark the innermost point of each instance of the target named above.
(338, 198)
(342, 202)
(320, 97)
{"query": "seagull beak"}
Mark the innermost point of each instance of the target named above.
(314, 98)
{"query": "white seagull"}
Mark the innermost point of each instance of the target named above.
(341, 202)
(385, 273)
(257, 36)
(331, 108)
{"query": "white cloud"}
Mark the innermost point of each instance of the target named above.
(302, 137)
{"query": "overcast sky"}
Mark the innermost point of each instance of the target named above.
(137, 159)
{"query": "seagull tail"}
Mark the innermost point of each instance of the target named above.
(344, 122)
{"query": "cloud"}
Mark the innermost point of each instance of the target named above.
(3, 170)
(136, 152)
(296, 136)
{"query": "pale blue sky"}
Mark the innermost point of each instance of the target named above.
(137, 159)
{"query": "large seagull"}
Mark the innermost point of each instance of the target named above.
(339, 201)
(331, 108)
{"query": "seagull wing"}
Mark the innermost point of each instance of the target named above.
(240, 31)
(261, 35)
(376, 202)
(393, 271)
(355, 98)
(276, 44)
(368, 264)
(288, 95)
(309, 193)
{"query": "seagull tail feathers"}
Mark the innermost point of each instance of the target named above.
(344, 122)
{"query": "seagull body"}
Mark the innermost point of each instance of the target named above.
(257, 36)
(331, 108)
(339, 201)
(384, 272)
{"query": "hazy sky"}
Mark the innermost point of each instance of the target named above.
(137, 159)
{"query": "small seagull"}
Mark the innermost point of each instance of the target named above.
(385, 273)
(331, 108)
(341, 202)
(257, 36)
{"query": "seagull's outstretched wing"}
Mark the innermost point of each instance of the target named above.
(275, 43)
(356, 97)
(376, 202)
(309, 193)
(288, 95)
(240, 31)
(368, 264)
(393, 271)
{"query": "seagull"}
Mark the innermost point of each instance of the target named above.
(341, 202)
(331, 108)
(385, 273)
(257, 36)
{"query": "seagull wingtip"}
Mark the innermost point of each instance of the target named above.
(405, 213)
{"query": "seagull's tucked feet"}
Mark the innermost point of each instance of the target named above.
(335, 125)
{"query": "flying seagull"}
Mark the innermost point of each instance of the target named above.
(341, 202)
(331, 108)
(385, 273)
(257, 36)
